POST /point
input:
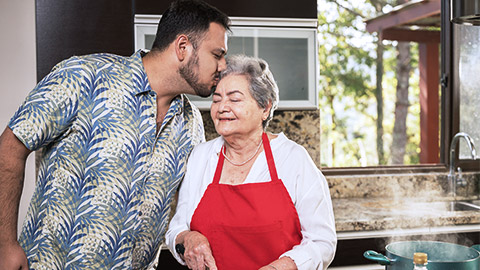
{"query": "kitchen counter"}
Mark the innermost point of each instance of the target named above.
(371, 214)
(388, 204)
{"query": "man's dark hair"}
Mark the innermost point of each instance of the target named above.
(189, 17)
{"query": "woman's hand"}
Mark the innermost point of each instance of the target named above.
(198, 254)
(284, 263)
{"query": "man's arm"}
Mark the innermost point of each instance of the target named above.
(13, 155)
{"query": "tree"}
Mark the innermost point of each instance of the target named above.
(358, 74)
(404, 67)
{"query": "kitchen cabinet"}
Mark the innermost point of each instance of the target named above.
(288, 45)
(64, 29)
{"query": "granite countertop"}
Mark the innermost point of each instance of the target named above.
(365, 205)
(370, 214)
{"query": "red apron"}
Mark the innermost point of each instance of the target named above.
(248, 225)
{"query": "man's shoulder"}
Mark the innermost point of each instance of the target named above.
(94, 61)
(193, 119)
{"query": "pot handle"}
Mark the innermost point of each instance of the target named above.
(377, 257)
(477, 247)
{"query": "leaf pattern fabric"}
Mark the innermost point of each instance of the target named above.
(106, 177)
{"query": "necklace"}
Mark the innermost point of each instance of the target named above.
(242, 163)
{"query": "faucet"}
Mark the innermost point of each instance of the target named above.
(452, 180)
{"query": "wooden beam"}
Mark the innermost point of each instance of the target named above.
(403, 16)
(429, 102)
(420, 36)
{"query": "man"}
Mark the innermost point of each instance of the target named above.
(114, 134)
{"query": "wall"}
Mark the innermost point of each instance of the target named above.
(17, 72)
(244, 8)
(67, 28)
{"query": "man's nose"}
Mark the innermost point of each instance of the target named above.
(222, 65)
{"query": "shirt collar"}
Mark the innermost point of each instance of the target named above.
(139, 75)
(178, 104)
(142, 84)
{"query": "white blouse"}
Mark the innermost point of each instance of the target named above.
(304, 182)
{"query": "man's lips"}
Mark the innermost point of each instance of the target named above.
(216, 79)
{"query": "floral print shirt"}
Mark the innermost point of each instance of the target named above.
(106, 176)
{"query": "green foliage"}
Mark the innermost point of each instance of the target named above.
(347, 59)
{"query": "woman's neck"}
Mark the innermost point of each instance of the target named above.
(239, 148)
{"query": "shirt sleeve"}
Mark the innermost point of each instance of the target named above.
(181, 220)
(315, 211)
(50, 107)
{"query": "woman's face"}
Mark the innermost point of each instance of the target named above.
(234, 111)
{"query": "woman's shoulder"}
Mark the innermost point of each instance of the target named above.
(283, 145)
(213, 145)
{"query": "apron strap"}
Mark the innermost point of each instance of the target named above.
(269, 155)
(218, 171)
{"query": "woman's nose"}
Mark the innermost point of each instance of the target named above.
(223, 107)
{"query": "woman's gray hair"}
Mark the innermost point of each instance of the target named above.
(263, 87)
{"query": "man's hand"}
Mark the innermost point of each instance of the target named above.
(12, 257)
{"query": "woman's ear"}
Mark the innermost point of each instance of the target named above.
(182, 47)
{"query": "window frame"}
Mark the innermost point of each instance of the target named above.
(449, 118)
(451, 95)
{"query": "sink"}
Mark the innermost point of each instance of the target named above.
(465, 206)
(468, 205)
(422, 208)
(471, 205)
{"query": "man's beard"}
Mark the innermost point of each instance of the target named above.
(191, 77)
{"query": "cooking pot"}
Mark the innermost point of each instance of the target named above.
(441, 255)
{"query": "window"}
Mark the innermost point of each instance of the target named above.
(379, 84)
(466, 44)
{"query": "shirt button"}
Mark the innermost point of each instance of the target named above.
(152, 115)
(140, 213)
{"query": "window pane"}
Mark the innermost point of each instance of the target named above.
(373, 117)
(467, 44)
(288, 58)
(149, 39)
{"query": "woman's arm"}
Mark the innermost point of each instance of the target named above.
(311, 197)
(284, 263)
(197, 252)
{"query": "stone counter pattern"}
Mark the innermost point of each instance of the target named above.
(396, 202)
(383, 214)
(427, 185)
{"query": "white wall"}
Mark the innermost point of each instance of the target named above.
(17, 72)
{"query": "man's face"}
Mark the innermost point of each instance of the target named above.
(207, 61)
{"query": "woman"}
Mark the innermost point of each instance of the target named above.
(233, 210)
